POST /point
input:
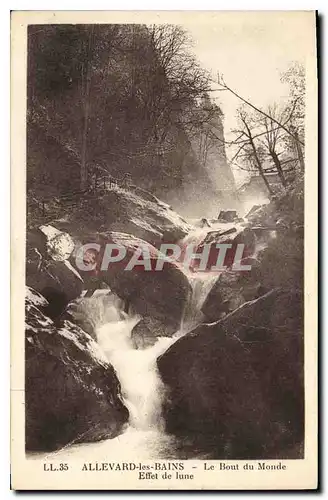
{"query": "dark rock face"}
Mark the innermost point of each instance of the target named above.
(228, 215)
(145, 333)
(278, 263)
(232, 234)
(72, 393)
(161, 295)
(237, 385)
(55, 134)
(232, 289)
(47, 269)
(282, 262)
(57, 281)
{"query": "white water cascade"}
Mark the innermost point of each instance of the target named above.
(201, 284)
(142, 389)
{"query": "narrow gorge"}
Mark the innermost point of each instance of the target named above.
(180, 363)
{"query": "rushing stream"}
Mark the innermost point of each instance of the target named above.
(141, 386)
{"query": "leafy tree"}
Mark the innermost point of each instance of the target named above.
(121, 96)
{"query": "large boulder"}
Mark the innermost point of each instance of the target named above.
(72, 393)
(59, 245)
(141, 229)
(146, 332)
(285, 209)
(58, 281)
(90, 313)
(282, 261)
(236, 386)
(50, 242)
(228, 215)
(233, 234)
(134, 211)
(279, 263)
(265, 214)
(232, 289)
(161, 295)
(48, 269)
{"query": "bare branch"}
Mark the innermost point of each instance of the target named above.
(225, 87)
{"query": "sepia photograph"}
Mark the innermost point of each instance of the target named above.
(163, 197)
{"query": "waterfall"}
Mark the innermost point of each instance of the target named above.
(142, 387)
(201, 284)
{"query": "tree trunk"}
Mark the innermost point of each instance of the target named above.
(278, 167)
(259, 166)
(86, 113)
(299, 151)
(257, 159)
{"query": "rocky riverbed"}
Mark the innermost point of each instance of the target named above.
(181, 361)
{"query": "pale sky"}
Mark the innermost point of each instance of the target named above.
(251, 49)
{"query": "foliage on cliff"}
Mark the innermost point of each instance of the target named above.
(110, 99)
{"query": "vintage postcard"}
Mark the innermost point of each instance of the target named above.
(164, 250)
